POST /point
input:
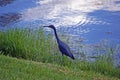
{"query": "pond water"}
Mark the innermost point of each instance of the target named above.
(87, 21)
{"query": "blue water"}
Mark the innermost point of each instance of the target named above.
(92, 20)
(87, 21)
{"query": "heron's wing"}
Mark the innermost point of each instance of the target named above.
(64, 48)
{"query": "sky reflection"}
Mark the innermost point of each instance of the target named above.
(68, 12)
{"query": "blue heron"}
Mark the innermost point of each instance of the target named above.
(64, 48)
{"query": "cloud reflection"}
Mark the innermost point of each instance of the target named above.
(68, 12)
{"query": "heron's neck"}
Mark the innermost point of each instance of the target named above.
(56, 35)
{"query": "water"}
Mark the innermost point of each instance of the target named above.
(84, 21)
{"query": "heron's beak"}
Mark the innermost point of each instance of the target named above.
(45, 26)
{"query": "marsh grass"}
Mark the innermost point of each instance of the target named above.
(37, 46)
(26, 44)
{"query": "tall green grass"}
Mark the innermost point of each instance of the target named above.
(37, 46)
(27, 44)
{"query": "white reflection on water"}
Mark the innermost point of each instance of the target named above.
(68, 12)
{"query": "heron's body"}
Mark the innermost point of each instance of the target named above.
(64, 48)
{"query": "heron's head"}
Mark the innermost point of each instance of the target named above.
(50, 26)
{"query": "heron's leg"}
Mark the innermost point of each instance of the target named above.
(62, 59)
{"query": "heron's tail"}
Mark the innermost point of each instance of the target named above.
(72, 57)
